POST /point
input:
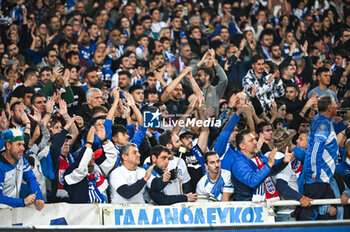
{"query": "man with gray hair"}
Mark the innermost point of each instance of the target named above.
(128, 182)
(93, 99)
(184, 58)
(321, 157)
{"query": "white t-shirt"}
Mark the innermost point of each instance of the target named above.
(7, 92)
(215, 189)
(173, 187)
(123, 176)
(156, 27)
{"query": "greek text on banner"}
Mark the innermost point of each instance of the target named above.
(223, 213)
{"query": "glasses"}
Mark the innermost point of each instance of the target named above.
(44, 28)
(132, 56)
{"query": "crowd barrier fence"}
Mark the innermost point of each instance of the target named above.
(197, 216)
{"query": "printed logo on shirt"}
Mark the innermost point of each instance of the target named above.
(151, 119)
(270, 186)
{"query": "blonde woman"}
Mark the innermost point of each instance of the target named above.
(290, 46)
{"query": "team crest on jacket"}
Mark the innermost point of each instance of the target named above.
(295, 165)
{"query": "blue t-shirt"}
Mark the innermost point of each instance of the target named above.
(321, 92)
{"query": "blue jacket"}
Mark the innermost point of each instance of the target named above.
(225, 150)
(322, 149)
(11, 177)
(246, 178)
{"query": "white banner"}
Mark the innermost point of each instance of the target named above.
(52, 214)
(216, 213)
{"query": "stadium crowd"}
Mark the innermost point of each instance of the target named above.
(251, 99)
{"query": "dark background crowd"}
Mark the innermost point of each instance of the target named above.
(68, 65)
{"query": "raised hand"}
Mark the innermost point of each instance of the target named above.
(37, 115)
(90, 135)
(271, 157)
(129, 99)
(292, 48)
(200, 101)
(303, 91)
(187, 70)
(24, 118)
(69, 123)
(49, 104)
(304, 47)
(252, 44)
(100, 131)
(227, 65)
(126, 111)
(233, 101)
(4, 122)
(55, 73)
(212, 54)
(205, 59)
(288, 156)
(80, 121)
(65, 77)
(149, 173)
(58, 96)
(273, 109)
(242, 44)
(241, 109)
(115, 94)
(191, 106)
(312, 101)
(166, 175)
(63, 107)
(261, 141)
(253, 91)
